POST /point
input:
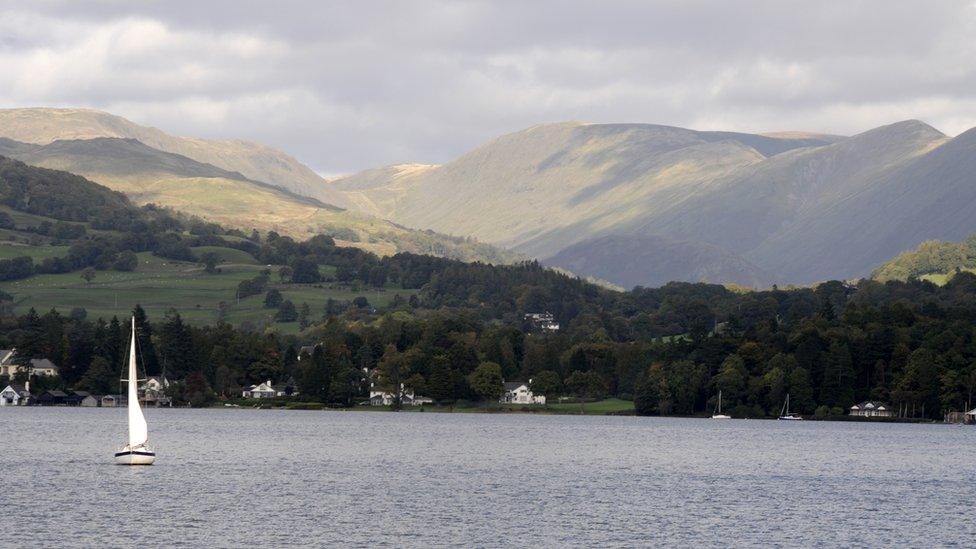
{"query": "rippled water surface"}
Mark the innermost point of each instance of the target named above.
(277, 478)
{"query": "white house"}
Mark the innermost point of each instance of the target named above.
(39, 366)
(14, 395)
(154, 391)
(384, 397)
(871, 408)
(544, 321)
(269, 390)
(518, 392)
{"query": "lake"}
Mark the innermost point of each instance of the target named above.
(291, 478)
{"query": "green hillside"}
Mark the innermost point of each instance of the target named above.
(159, 284)
(933, 260)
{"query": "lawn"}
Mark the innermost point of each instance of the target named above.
(160, 284)
(601, 407)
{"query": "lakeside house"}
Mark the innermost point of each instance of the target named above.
(518, 392)
(384, 397)
(153, 391)
(871, 408)
(269, 390)
(44, 367)
(15, 395)
(38, 366)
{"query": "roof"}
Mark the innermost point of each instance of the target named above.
(81, 393)
(55, 393)
(42, 363)
(870, 405)
(5, 354)
(512, 385)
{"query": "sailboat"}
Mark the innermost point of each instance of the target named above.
(785, 414)
(137, 451)
(718, 412)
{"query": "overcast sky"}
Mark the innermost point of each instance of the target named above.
(349, 85)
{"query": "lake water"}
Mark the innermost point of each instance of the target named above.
(291, 478)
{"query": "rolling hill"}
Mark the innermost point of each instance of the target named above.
(796, 207)
(148, 175)
(258, 162)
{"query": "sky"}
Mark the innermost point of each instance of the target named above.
(344, 86)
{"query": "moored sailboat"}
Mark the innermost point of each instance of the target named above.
(785, 413)
(718, 411)
(137, 451)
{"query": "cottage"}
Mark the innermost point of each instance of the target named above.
(90, 401)
(518, 392)
(15, 395)
(871, 408)
(52, 398)
(269, 390)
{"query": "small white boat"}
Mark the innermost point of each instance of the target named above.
(137, 451)
(785, 414)
(718, 411)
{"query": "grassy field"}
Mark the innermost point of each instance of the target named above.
(940, 279)
(159, 284)
(601, 407)
(9, 250)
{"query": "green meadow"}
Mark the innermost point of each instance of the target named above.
(159, 284)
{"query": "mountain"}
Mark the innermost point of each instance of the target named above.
(148, 175)
(655, 260)
(551, 186)
(796, 207)
(255, 161)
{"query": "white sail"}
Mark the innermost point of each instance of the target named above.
(138, 430)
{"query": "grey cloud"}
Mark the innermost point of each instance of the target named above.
(350, 85)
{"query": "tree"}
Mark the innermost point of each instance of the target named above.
(197, 391)
(486, 381)
(126, 261)
(392, 371)
(100, 378)
(273, 299)
(144, 341)
(586, 384)
(546, 383)
(209, 260)
(440, 386)
(286, 312)
(304, 314)
(314, 376)
(305, 271)
(88, 274)
(285, 273)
